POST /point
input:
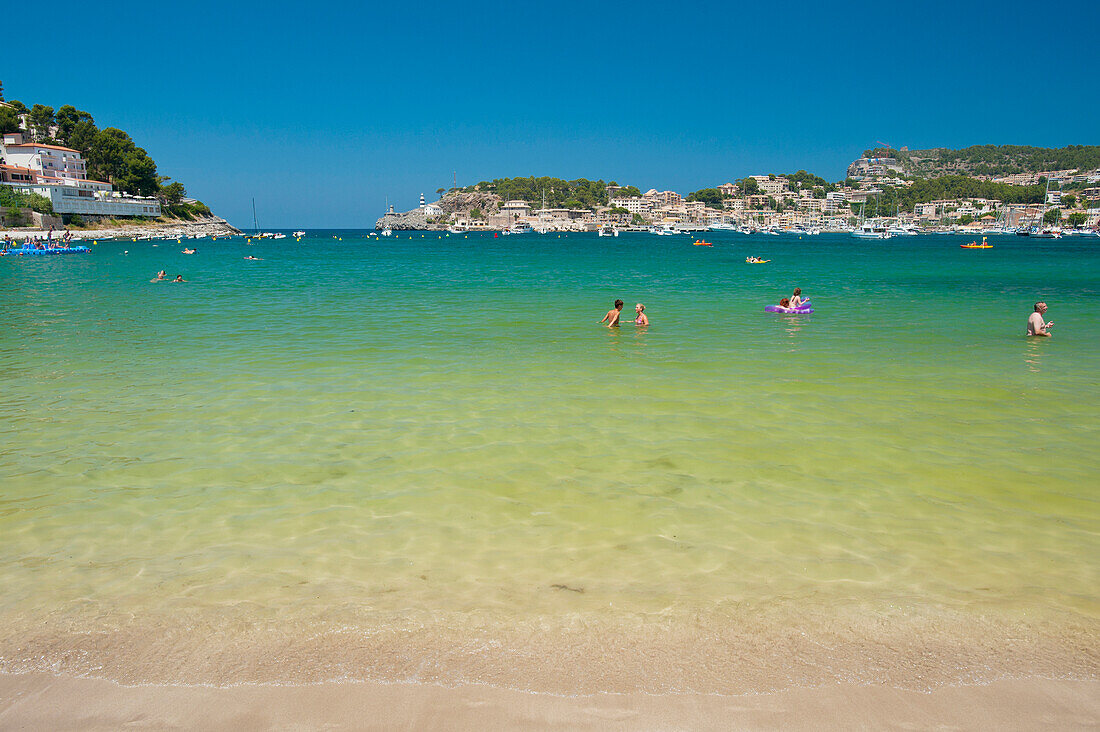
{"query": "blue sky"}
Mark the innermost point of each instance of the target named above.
(322, 110)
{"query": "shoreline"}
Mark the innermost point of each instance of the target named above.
(162, 230)
(44, 701)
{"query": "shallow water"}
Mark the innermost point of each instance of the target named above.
(430, 447)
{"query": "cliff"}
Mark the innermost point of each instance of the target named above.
(453, 205)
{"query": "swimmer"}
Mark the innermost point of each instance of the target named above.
(160, 276)
(1035, 324)
(785, 303)
(612, 317)
(255, 259)
(796, 298)
(179, 278)
(641, 318)
(189, 251)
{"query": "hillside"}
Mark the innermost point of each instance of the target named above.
(990, 160)
(111, 154)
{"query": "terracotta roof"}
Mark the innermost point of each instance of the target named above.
(48, 147)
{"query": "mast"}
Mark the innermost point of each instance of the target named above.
(255, 223)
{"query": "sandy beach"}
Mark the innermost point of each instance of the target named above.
(41, 701)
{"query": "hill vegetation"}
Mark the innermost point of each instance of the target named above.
(111, 155)
(991, 160)
(577, 194)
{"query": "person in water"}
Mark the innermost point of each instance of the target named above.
(1035, 324)
(160, 276)
(785, 303)
(179, 278)
(641, 318)
(612, 317)
(254, 259)
(796, 298)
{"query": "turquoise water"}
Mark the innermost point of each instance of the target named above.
(433, 436)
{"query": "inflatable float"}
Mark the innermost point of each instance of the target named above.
(803, 309)
(61, 250)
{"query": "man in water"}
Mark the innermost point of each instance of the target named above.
(179, 278)
(1035, 324)
(612, 317)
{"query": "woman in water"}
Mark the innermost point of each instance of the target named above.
(641, 319)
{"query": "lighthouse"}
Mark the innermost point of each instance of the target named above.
(421, 200)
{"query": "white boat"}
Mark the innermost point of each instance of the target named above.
(608, 230)
(1048, 233)
(520, 227)
(387, 232)
(722, 226)
(901, 231)
(298, 234)
(871, 231)
(279, 236)
(665, 230)
(450, 230)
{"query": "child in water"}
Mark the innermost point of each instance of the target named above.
(641, 318)
(612, 317)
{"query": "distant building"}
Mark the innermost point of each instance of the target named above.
(727, 189)
(663, 198)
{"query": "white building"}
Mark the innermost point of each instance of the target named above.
(60, 174)
(52, 160)
(635, 205)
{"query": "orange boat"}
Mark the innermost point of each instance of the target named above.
(702, 243)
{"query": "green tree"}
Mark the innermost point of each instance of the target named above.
(711, 196)
(750, 187)
(637, 220)
(173, 193)
(82, 135)
(1069, 201)
(139, 173)
(1077, 219)
(629, 192)
(9, 120)
(18, 106)
(475, 213)
(40, 120)
(966, 219)
(440, 191)
(1052, 216)
(618, 210)
(67, 118)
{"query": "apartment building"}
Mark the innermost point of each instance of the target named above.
(60, 174)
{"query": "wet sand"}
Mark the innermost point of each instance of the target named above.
(42, 701)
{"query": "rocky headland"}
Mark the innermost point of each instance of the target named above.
(423, 219)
